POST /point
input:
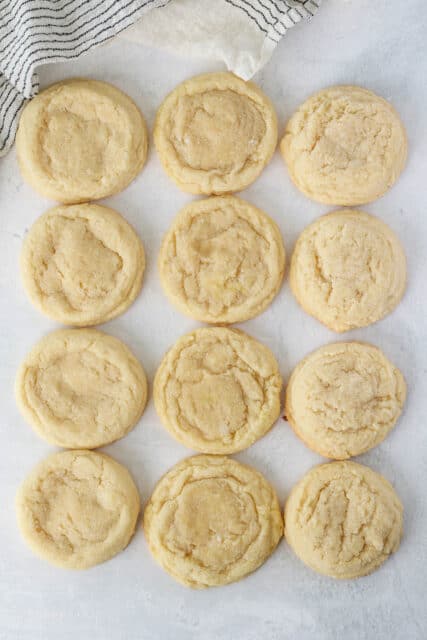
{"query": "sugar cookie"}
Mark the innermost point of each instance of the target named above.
(222, 260)
(81, 140)
(344, 145)
(211, 521)
(217, 390)
(81, 388)
(215, 133)
(344, 398)
(82, 264)
(77, 509)
(348, 270)
(343, 520)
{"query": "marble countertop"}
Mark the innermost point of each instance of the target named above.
(382, 46)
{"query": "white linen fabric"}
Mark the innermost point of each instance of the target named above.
(242, 33)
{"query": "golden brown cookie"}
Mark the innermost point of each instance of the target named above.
(82, 264)
(348, 269)
(222, 260)
(344, 145)
(77, 509)
(217, 390)
(81, 140)
(81, 388)
(215, 133)
(344, 398)
(343, 520)
(211, 521)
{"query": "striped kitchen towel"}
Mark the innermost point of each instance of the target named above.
(36, 32)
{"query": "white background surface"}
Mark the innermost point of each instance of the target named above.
(378, 44)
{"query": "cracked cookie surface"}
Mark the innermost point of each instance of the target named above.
(217, 390)
(345, 146)
(77, 509)
(82, 264)
(215, 133)
(81, 388)
(222, 260)
(211, 521)
(81, 140)
(343, 520)
(348, 270)
(344, 398)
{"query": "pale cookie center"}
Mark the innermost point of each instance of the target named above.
(215, 522)
(75, 146)
(350, 399)
(73, 512)
(348, 142)
(77, 265)
(216, 406)
(221, 263)
(346, 521)
(217, 131)
(213, 393)
(352, 267)
(80, 389)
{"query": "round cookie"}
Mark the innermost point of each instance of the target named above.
(81, 388)
(212, 521)
(222, 260)
(215, 133)
(82, 264)
(217, 390)
(81, 140)
(77, 509)
(344, 398)
(348, 270)
(344, 145)
(343, 520)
